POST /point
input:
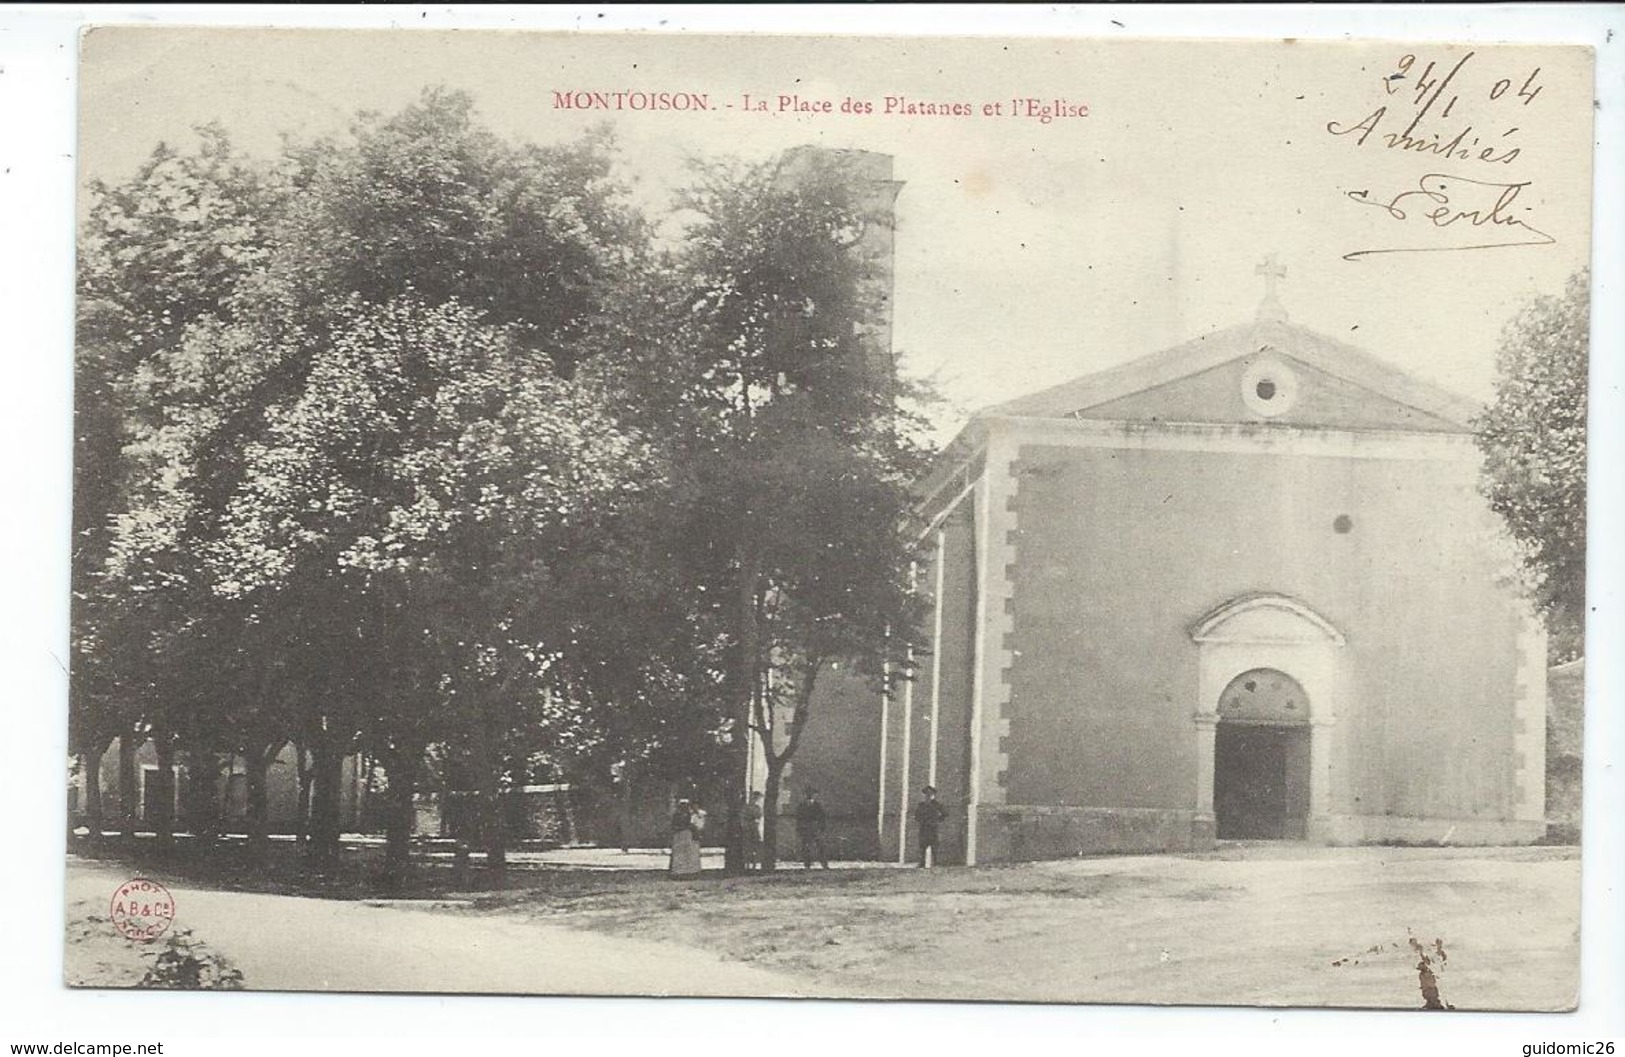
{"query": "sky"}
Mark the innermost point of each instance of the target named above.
(1028, 252)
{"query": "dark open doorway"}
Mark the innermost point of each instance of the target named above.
(1261, 781)
(1261, 758)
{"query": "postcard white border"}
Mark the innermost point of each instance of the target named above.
(37, 143)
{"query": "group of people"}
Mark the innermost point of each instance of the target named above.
(812, 825)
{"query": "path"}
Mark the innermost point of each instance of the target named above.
(1267, 924)
(1281, 924)
(293, 943)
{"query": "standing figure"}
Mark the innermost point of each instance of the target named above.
(810, 824)
(928, 814)
(751, 819)
(733, 837)
(686, 822)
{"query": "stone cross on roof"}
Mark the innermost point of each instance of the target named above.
(1270, 309)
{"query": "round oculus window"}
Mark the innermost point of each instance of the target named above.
(1269, 388)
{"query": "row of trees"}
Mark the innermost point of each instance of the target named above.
(421, 443)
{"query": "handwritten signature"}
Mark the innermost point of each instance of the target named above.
(1445, 201)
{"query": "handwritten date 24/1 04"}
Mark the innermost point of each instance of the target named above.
(1425, 82)
(1481, 207)
(1429, 103)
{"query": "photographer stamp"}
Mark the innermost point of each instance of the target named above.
(142, 909)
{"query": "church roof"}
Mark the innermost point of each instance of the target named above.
(1203, 381)
(1267, 372)
(1270, 336)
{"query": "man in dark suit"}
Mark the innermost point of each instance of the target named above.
(928, 815)
(810, 825)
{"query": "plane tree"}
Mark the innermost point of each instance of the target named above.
(800, 508)
(1533, 436)
(433, 467)
(161, 252)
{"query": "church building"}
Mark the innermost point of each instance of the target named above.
(1243, 588)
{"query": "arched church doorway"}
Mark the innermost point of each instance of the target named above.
(1261, 758)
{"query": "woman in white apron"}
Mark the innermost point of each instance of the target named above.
(686, 823)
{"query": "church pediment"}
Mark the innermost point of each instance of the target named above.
(1264, 372)
(1265, 618)
(1268, 386)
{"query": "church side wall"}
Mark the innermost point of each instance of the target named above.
(837, 757)
(954, 660)
(958, 670)
(1120, 549)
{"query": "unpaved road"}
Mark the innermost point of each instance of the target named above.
(297, 944)
(1249, 925)
(1260, 925)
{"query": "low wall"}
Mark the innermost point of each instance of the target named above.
(1017, 833)
(1397, 829)
(1026, 833)
(950, 838)
(847, 839)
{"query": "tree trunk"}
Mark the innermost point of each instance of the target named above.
(202, 815)
(129, 807)
(163, 795)
(493, 822)
(327, 789)
(401, 770)
(495, 827)
(626, 808)
(776, 761)
(402, 818)
(770, 813)
(307, 777)
(747, 679)
(258, 762)
(92, 764)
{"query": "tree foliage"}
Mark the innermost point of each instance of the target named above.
(803, 475)
(1533, 437)
(419, 443)
(164, 252)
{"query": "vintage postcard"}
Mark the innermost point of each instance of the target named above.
(1037, 520)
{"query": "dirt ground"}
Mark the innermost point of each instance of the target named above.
(1248, 925)
(298, 943)
(1267, 925)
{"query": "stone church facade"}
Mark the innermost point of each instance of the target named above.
(1243, 588)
